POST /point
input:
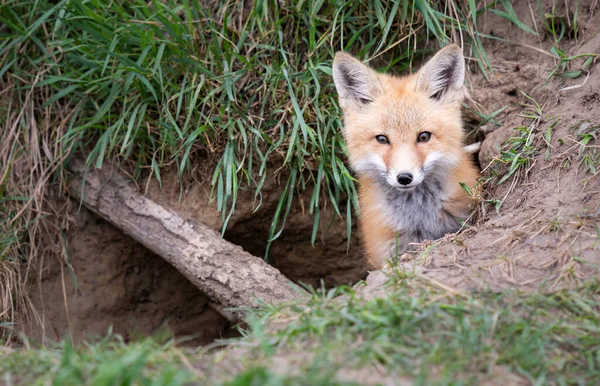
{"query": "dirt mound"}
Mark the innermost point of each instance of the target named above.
(545, 232)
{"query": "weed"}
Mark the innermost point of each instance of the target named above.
(519, 152)
(495, 203)
(491, 117)
(555, 225)
(478, 200)
(548, 138)
(587, 137)
(560, 26)
(564, 65)
(583, 149)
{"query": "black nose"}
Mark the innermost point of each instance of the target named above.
(405, 179)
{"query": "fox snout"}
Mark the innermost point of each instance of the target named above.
(401, 169)
(405, 168)
(404, 179)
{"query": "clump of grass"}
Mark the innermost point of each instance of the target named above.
(558, 25)
(587, 138)
(583, 150)
(478, 201)
(519, 152)
(438, 338)
(107, 362)
(567, 67)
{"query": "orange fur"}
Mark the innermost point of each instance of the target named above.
(400, 108)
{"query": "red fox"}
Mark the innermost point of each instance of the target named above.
(404, 138)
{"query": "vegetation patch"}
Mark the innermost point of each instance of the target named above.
(244, 87)
(416, 331)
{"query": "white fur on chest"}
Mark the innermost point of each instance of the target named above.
(418, 214)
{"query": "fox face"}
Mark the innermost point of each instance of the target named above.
(399, 131)
(404, 138)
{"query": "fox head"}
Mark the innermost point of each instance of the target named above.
(400, 130)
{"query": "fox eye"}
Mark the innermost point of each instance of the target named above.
(424, 136)
(382, 139)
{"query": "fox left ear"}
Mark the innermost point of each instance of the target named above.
(443, 74)
(357, 84)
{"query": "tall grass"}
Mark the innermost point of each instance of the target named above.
(168, 83)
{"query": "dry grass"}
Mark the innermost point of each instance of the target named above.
(30, 191)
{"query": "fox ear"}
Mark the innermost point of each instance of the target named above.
(443, 74)
(357, 84)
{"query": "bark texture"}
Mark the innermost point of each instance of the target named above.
(224, 271)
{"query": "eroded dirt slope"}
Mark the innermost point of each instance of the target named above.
(119, 284)
(546, 230)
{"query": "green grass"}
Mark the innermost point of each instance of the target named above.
(413, 332)
(559, 26)
(170, 84)
(582, 150)
(565, 67)
(417, 331)
(108, 362)
(147, 362)
(517, 155)
(588, 153)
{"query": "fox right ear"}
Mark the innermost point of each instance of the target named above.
(443, 74)
(356, 83)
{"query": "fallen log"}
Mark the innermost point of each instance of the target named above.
(224, 271)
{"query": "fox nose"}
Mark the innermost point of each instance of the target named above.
(404, 179)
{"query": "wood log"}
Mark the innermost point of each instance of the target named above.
(224, 271)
